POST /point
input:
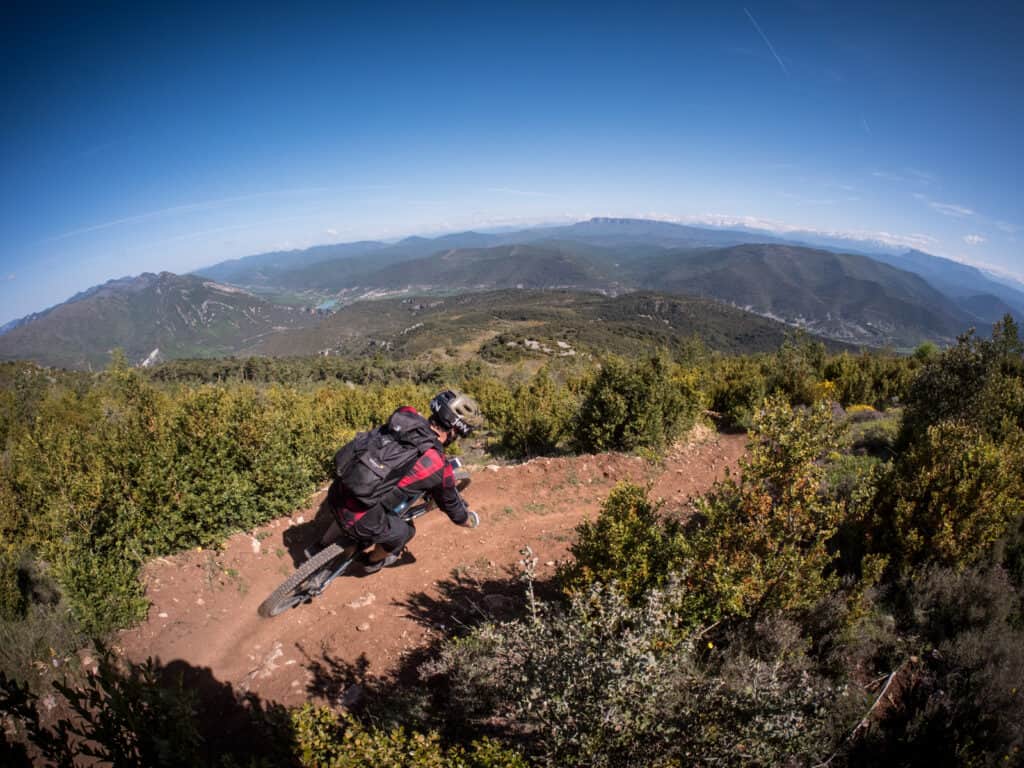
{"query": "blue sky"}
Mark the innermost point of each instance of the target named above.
(138, 138)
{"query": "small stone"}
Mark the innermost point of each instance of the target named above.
(363, 600)
(550, 563)
(365, 626)
(256, 546)
(200, 601)
(162, 615)
(493, 467)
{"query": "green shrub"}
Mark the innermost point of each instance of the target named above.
(604, 683)
(951, 496)
(629, 544)
(631, 405)
(796, 369)
(535, 418)
(325, 740)
(978, 382)
(759, 543)
(737, 390)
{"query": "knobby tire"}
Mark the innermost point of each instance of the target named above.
(290, 593)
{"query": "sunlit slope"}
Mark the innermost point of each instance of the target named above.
(181, 316)
(842, 296)
(499, 323)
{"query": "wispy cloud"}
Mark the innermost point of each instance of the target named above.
(331, 232)
(864, 123)
(906, 175)
(949, 209)
(912, 240)
(974, 239)
(1007, 227)
(11, 277)
(766, 40)
(161, 212)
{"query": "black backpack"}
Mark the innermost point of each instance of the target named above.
(371, 465)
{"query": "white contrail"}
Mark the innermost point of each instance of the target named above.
(177, 209)
(766, 40)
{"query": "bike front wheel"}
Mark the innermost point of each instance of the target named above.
(296, 589)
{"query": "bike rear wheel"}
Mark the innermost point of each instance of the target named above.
(295, 590)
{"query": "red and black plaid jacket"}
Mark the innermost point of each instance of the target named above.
(431, 474)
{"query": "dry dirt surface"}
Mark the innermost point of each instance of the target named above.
(203, 617)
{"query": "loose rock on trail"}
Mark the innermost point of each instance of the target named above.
(203, 612)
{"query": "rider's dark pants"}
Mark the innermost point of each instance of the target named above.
(390, 532)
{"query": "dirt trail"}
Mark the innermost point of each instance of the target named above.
(204, 603)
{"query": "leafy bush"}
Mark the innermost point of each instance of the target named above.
(796, 369)
(630, 405)
(951, 496)
(535, 419)
(759, 543)
(604, 683)
(629, 544)
(737, 390)
(325, 740)
(875, 379)
(978, 382)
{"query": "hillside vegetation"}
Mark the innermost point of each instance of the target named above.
(495, 325)
(178, 316)
(854, 596)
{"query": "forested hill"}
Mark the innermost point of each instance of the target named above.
(506, 325)
(149, 317)
(840, 296)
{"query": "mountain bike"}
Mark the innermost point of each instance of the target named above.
(315, 574)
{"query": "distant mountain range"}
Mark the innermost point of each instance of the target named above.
(877, 298)
(149, 317)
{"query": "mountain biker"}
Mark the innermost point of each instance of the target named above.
(452, 415)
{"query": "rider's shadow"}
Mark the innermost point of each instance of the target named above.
(302, 536)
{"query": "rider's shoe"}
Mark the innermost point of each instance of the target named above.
(389, 560)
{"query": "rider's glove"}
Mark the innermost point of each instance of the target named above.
(472, 519)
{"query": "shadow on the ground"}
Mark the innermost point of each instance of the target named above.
(154, 714)
(464, 600)
(230, 722)
(298, 538)
(408, 696)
